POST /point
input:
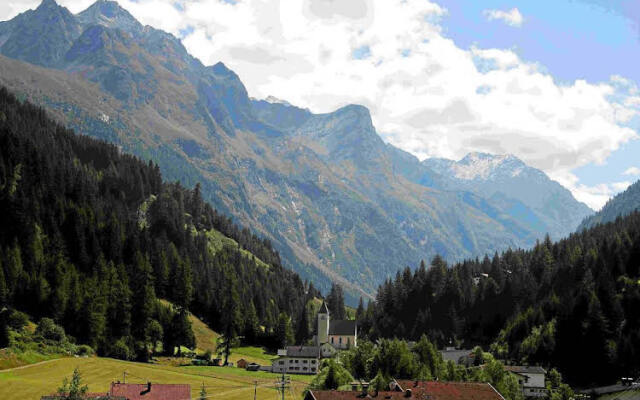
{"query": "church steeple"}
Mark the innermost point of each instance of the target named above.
(323, 308)
(323, 324)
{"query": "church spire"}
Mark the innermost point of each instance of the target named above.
(323, 308)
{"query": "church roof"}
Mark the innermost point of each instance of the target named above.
(342, 327)
(323, 308)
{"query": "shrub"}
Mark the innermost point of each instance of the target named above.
(121, 350)
(49, 330)
(84, 350)
(17, 320)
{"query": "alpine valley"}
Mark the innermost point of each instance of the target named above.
(337, 202)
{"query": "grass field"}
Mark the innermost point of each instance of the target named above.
(33, 381)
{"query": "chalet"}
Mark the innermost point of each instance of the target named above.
(136, 391)
(297, 360)
(242, 363)
(341, 334)
(531, 379)
(414, 390)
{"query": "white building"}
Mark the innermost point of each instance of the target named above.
(531, 379)
(297, 360)
(341, 334)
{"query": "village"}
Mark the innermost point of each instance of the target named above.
(334, 336)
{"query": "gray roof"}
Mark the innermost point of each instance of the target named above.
(303, 351)
(523, 369)
(323, 308)
(611, 389)
(454, 355)
(342, 327)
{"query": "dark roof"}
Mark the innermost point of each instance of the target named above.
(136, 391)
(523, 369)
(419, 390)
(323, 308)
(342, 327)
(303, 351)
(611, 389)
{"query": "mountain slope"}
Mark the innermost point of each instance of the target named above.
(92, 238)
(525, 193)
(620, 205)
(335, 200)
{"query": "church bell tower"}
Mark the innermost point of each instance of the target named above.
(323, 324)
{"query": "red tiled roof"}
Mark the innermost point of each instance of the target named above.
(452, 390)
(419, 390)
(135, 391)
(353, 395)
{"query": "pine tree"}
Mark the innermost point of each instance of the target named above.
(302, 329)
(74, 389)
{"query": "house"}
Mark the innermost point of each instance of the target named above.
(149, 391)
(458, 356)
(531, 379)
(297, 360)
(136, 391)
(341, 334)
(242, 363)
(414, 390)
(253, 367)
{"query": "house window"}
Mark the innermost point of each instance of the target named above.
(340, 340)
(313, 361)
(304, 368)
(281, 362)
(313, 369)
(331, 339)
(304, 361)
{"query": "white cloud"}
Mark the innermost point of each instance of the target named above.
(511, 17)
(426, 95)
(632, 171)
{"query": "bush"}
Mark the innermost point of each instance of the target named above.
(49, 330)
(17, 320)
(84, 350)
(121, 350)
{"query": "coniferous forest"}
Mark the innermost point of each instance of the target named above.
(574, 304)
(92, 238)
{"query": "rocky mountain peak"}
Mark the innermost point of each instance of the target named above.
(109, 14)
(48, 4)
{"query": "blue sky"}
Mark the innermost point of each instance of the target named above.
(587, 39)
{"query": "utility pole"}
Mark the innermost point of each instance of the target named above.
(283, 384)
(255, 389)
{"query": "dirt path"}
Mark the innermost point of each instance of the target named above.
(30, 365)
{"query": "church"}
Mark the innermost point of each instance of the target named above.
(340, 334)
(332, 336)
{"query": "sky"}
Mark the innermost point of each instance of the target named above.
(554, 82)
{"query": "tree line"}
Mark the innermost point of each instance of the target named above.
(573, 304)
(92, 238)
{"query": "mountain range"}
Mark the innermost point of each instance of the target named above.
(337, 202)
